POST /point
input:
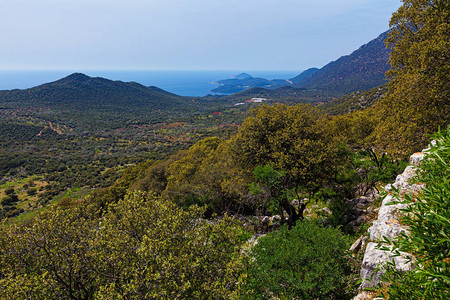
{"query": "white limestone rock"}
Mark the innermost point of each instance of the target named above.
(416, 158)
(362, 296)
(358, 244)
(373, 265)
(387, 223)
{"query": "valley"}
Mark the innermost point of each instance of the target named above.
(279, 190)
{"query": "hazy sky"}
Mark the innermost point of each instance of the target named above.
(186, 34)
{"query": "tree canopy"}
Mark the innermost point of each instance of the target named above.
(143, 247)
(418, 99)
(294, 139)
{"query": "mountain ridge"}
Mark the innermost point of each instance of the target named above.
(78, 88)
(363, 69)
(303, 75)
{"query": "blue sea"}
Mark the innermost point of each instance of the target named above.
(184, 83)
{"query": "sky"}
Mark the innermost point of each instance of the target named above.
(185, 34)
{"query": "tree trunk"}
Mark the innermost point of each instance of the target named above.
(292, 213)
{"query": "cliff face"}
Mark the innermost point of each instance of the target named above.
(388, 225)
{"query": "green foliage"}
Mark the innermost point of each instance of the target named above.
(185, 180)
(168, 252)
(354, 101)
(306, 262)
(287, 95)
(208, 175)
(417, 102)
(276, 192)
(143, 247)
(118, 190)
(9, 199)
(52, 250)
(354, 128)
(31, 191)
(269, 179)
(428, 219)
(268, 174)
(291, 138)
(9, 191)
(155, 177)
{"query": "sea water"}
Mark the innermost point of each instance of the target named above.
(184, 83)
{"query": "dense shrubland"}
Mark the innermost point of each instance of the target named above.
(139, 248)
(178, 227)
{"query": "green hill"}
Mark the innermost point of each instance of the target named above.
(354, 101)
(81, 91)
(282, 94)
(303, 75)
(245, 81)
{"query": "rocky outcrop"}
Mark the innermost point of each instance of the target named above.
(372, 265)
(387, 225)
(359, 244)
(359, 210)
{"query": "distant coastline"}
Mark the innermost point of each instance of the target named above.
(184, 83)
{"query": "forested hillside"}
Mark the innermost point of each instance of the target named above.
(178, 198)
(359, 100)
(81, 133)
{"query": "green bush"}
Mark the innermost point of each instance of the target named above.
(31, 191)
(9, 191)
(140, 247)
(9, 200)
(306, 262)
(428, 218)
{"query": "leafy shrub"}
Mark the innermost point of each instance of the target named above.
(306, 262)
(9, 191)
(143, 247)
(428, 218)
(9, 200)
(31, 191)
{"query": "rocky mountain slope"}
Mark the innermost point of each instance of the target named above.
(363, 69)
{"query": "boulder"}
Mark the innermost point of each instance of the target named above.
(265, 220)
(403, 181)
(358, 244)
(325, 210)
(363, 296)
(372, 267)
(387, 223)
(295, 202)
(276, 218)
(416, 158)
(359, 220)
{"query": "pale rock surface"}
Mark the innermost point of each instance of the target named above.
(374, 258)
(416, 158)
(358, 244)
(388, 225)
(362, 296)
